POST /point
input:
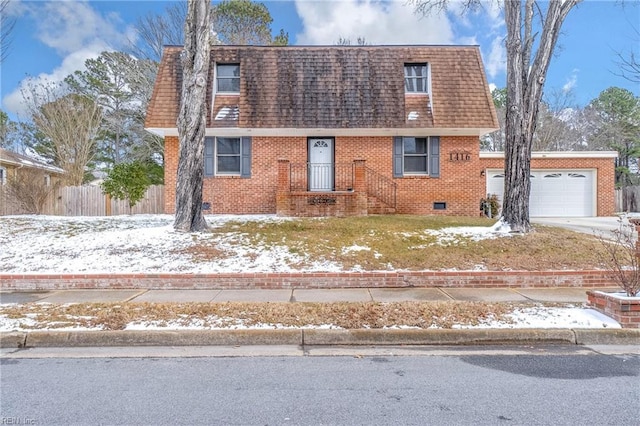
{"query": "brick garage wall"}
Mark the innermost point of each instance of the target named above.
(605, 168)
(302, 280)
(460, 185)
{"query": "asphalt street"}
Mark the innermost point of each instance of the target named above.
(471, 386)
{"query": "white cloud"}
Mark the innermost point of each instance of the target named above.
(14, 102)
(324, 22)
(76, 32)
(70, 26)
(572, 81)
(496, 62)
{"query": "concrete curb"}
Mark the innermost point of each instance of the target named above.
(311, 337)
(436, 337)
(618, 336)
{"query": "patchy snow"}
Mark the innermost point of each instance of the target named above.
(139, 243)
(148, 243)
(545, 317)
(534, 317)
(455, 235)
(353, 248)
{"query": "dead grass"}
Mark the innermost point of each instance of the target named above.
(404, 242)
(113, 316)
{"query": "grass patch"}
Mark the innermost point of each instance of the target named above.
(375, 315)
(406, 242)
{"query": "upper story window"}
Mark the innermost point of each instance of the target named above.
(3, 176)
(228, 78)
(416, 78)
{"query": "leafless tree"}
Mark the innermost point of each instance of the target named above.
(620, 256)
(6, 28)
(526, 72)
(554, 131)
(29, 190)
(360, 41)
(192, 118)
(629, 63)
(494, 141)
(157, 30)
(70, 122)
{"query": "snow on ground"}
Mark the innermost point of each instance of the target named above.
(139, 243)
(544, 317)
(148, 243)
(451, 236)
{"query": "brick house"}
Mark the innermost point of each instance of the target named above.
(337, 130)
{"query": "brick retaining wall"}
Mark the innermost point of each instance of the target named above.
(307, 280)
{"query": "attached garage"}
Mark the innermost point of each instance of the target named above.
(563, 184)
(554, 193)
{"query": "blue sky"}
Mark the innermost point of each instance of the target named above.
(54, 38)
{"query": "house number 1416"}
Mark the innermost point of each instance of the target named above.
(459, 156)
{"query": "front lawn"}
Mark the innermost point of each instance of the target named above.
(264, 243)
(415, 243)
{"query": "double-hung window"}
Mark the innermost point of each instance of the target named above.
(3, 176)
(416, 78)
(416, 156)
(228, 78)
(229, 156)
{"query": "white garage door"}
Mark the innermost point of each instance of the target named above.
(554, 193)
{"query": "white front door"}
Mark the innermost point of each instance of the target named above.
(321, 164)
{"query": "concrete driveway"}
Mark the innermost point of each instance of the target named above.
(588, 225)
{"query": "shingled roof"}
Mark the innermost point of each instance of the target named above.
(335, 87)
(18, 160)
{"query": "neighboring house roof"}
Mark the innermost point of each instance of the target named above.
(334, 87)
(18, 160)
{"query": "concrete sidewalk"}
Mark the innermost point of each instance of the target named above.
(560, 294)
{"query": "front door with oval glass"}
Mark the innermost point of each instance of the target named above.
(321, 166)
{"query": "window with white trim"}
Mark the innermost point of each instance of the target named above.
(416, 156)
(228, 78)
(227, 156)
(3, 176)
(416, 78)
(47, 180)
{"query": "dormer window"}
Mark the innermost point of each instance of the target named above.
(416, 78)
(228, 78)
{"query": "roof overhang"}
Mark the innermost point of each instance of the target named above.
(306, 132)
(557, 154)
(32, 165)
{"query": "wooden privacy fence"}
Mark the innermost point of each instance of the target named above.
(628, 199)
(87, 201)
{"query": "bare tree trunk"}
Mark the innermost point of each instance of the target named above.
(515, 208)
(192, 118)
(525, 81)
